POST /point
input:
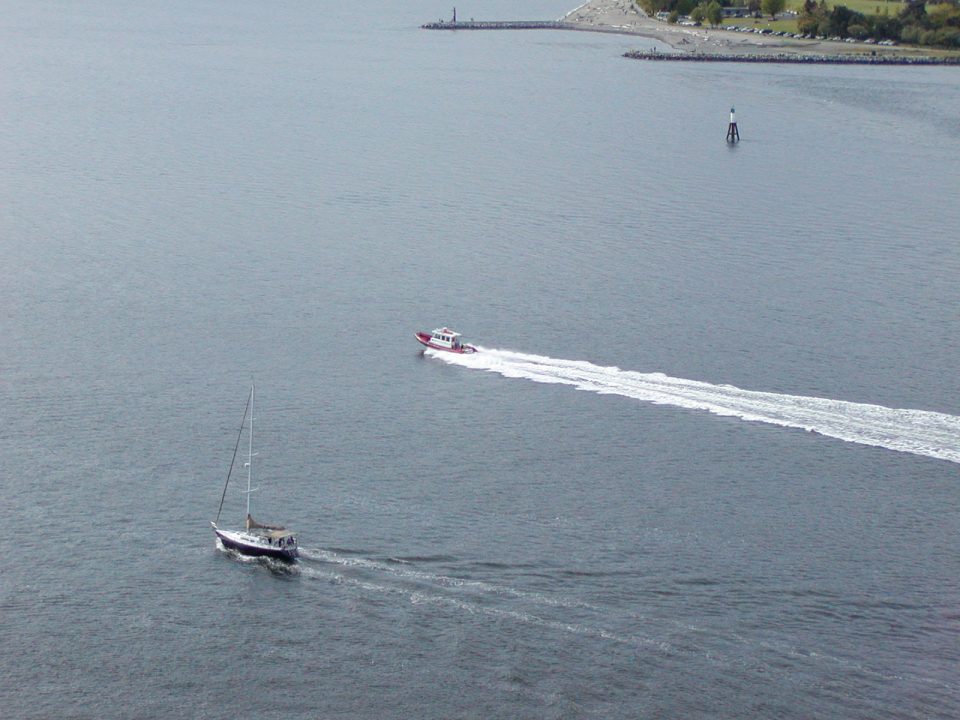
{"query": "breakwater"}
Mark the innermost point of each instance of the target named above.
(806, 58)
(500, 25)
(522, 25)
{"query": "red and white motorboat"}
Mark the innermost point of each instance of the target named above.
(445, 339)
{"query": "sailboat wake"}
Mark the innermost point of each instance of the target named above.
(920, 432)
(472, 596)
(558, 611)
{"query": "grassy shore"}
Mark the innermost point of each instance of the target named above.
(624, 16)
(789, 24)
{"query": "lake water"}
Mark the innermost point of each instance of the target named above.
(706, 465)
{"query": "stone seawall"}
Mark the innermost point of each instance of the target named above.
(501, 25)
(807, 58)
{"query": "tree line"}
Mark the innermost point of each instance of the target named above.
(935, 23)
(918, 23)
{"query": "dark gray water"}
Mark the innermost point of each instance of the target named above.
(706, 466)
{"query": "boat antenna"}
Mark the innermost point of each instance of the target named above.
(233, 460)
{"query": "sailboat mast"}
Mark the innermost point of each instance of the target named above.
(250, 452)
(233, 459)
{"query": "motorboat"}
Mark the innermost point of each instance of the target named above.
(445, 339)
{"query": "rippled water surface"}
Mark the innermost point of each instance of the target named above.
(752, 511)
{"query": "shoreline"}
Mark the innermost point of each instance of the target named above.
(622, 17)
(625, 17)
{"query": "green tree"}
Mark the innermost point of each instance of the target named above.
(772, 7)
(914, 13)
(810, 17)
(714, 13)
(840, 20)
(885, 27)
(944, 14)
(808, 24)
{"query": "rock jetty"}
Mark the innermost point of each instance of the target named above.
(806, 58)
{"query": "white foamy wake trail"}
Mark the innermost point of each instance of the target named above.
(921, 432)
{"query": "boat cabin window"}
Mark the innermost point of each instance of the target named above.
(447, 337)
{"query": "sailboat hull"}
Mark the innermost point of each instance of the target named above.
(254, 545)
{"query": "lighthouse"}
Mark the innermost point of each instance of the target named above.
(733, 135)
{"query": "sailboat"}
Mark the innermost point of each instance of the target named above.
(255, 539)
